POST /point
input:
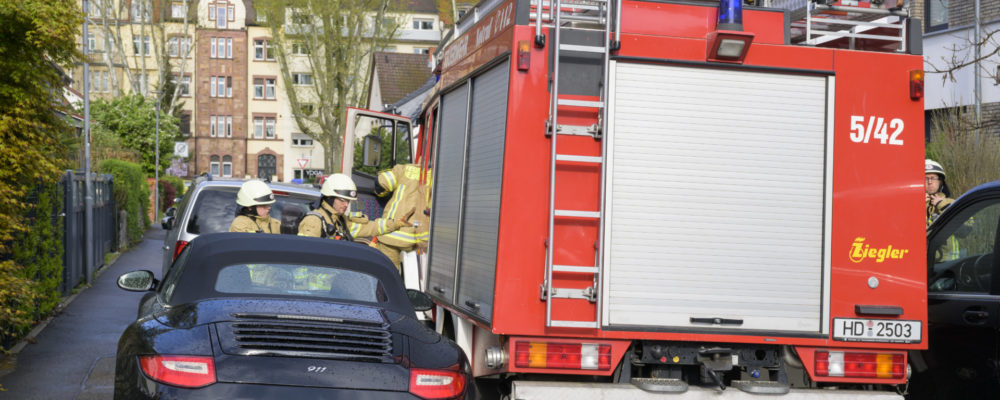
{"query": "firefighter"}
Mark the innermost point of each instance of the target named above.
(408, 195)
(332, 219)
(937, 193)
(255, 199)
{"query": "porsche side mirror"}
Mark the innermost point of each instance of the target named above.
(421, 301)
(137, 281)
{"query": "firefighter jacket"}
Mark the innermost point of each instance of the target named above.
(403, 181)
(244, 223)
(935, 210)
(343, 227)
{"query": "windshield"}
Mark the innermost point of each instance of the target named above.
(299, 280)
(215, 209)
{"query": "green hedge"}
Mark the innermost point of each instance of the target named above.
(131, 195)
(30, 279)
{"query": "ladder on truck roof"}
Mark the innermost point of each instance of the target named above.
(849, 24)
(570, 15)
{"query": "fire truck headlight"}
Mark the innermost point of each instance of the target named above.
(728, 46)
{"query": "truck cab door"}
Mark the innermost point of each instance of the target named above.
(374, 142)
(963, 300)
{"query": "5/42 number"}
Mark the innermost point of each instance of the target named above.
(877, 128)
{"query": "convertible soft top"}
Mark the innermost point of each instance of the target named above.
(207, 254)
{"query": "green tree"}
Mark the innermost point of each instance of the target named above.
(35, 40)
(133, 120)
(33, 147)
(332, 41)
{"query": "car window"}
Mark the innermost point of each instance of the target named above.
(299, 280)
(215, 209)
(962, 251)
(170, 281)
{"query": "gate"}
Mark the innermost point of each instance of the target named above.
(74, 239)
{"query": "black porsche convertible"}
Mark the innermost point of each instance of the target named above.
(255, 316)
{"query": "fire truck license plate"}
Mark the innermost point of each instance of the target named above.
(876, 330)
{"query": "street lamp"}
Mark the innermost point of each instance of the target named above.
(156, 167)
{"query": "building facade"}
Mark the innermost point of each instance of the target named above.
(236, 119)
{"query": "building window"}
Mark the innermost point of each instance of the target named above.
(227, 166)
(302, 79)
(141, 10)
(936, 15)
(262, 50)
(178, 9)
(299, 17)
(221, 86)
(269, 127)
(229, 126)
(261, 18)
(423, 24)
(98, 81)
(220, 17)
(95, 8)
(140, 84)
(214, 165)
(91, 42)
(307, 109)
(211, 126)
(263, 127)
(300, 49)
(221, 47)
(140, 45)
(184, 84)
(179, 46)
(301, 142)
(263, 88)
(421, 50)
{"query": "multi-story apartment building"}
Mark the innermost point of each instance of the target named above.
(236, 119)
(949, 34)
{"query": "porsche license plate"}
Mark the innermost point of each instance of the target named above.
(876, 330)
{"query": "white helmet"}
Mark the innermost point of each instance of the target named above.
(339, 185)
(254, 193)
(932, 167)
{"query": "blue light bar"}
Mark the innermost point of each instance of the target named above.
(731, 15)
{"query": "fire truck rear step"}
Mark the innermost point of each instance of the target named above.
(661, 385)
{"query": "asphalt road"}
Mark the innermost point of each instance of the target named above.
(74, 355)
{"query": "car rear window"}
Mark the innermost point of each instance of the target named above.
(215, 208)
(299, 280)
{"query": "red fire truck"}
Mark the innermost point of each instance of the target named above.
(641, 196)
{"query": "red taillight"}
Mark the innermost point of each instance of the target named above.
(860, 364)
(183, 371)
(279, 193)
(180, 245)
(562, 355)
(436, 384)
(523, 55)
(916, 84)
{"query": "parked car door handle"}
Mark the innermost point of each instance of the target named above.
(975, 316)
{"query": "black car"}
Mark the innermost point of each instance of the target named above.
(278, 316)
(963, 301)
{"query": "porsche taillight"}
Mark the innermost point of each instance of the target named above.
(183, 371)
(436, 383)
(178, 247)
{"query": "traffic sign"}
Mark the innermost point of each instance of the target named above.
(303, 162)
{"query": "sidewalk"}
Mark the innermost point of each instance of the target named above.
(73, 356)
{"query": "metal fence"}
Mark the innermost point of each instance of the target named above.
(104, 231)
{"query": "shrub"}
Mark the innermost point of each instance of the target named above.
(131, 195)
(969, 155)
(176, 186)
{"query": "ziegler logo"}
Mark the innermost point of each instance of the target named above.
(860, 251)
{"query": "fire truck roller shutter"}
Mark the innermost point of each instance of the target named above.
(717, 199)
(448, 170)
(481, 216)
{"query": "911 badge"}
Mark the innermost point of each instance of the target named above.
(861, 251)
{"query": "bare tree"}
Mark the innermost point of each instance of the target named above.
(962, 56)
(329, 43)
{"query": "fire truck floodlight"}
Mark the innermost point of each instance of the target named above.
(728, 46)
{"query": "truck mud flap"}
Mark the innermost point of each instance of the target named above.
(531, 390)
